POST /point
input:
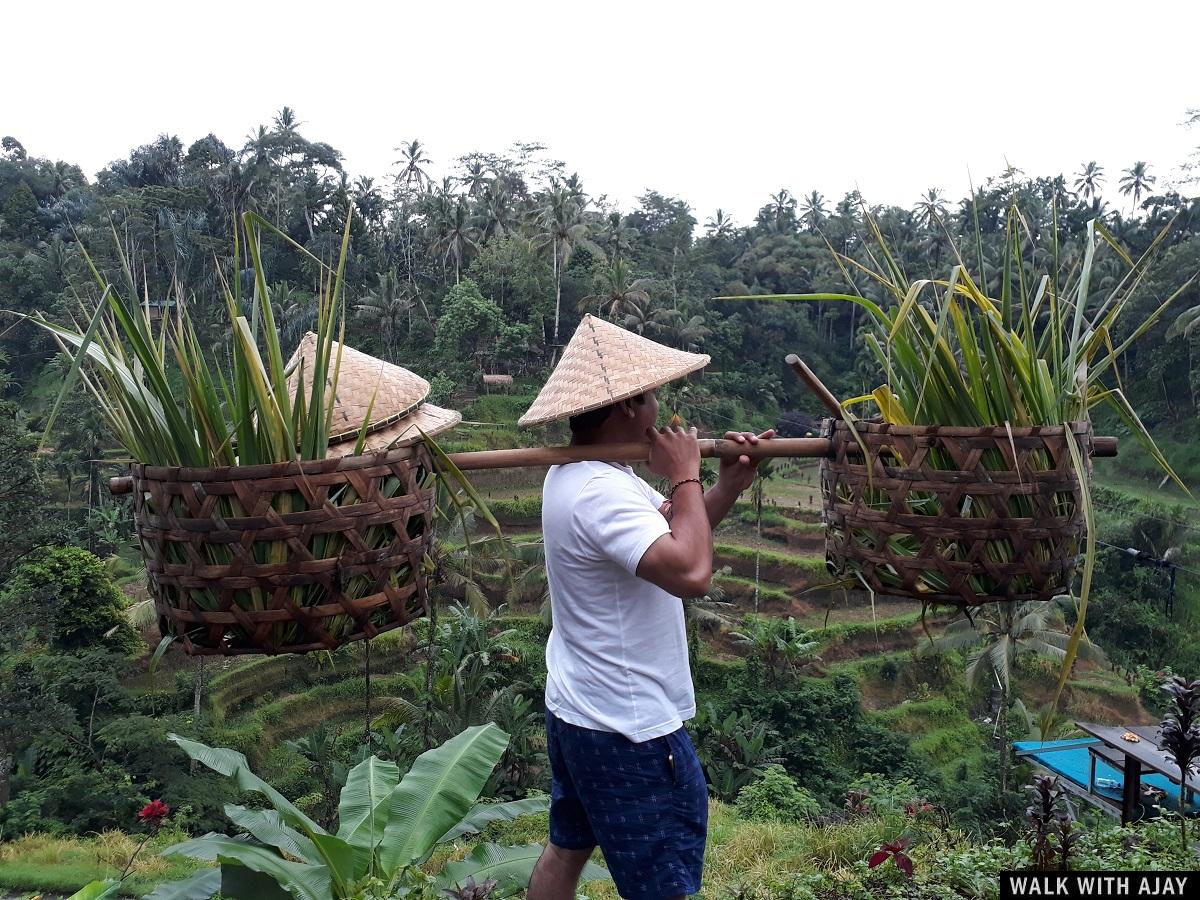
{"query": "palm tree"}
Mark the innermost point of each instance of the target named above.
(614, 289)
(931, 209)
(475, 177)
(783, 209)
(720, 225)
(1003, 634)
(616, 236)
(814, 210)
(647, 318)
(456, 234)
(413, 160)
(391, 303)
(1089, 179)
(1137, 181)
(564, 229)
(688, 334)
(780, 644)
(497, 212)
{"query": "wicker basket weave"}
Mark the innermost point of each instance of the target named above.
(287, 557)
(956, 516)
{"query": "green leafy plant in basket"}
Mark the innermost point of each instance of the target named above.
(1042, 353)
(169, 404)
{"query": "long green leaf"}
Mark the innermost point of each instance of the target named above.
(197, 886)
(435, 794)
(233, 764)
(362, 811)
(482, 814)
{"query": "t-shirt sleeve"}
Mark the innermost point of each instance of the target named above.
(617, 520)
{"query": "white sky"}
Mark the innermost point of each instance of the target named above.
(718, 103)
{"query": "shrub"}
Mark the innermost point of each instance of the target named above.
(775, 797)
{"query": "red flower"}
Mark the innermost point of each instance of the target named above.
(894, 850)
(920, 806)
(154, 812)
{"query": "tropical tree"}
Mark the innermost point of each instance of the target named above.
(814, 210)
(564, 228)
(413, 162)
(720, 225)
(1137, 181)
(931, 210)
(387, 308)
(1002, 634)
(1089, 179)
(456, 233)
(780, 645)
(613, 289)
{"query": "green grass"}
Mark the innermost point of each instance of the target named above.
(41, 862)
(800, 564)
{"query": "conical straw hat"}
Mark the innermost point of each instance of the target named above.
(426, 419)
(602, 364)
(396, 390)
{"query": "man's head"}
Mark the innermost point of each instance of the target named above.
(625, 420)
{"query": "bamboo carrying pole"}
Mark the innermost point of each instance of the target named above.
(534, 457)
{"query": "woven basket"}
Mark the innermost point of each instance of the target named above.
(956, 516)
(287, 557)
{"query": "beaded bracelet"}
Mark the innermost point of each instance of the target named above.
(677, 485)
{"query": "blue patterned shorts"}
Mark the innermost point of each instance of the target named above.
(645, 805)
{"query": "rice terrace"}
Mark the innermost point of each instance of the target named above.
(463, 531)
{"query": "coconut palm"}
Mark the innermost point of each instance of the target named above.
(563, 229)
(474, 177)
(456, 234)
(931, 209)
(1137, 181)
(647, 318)
(616, 236)
(813, 208)
(614, 289)
(1003, 634)
(388, 307)
(413, 161)
(782, 210)
(720, 225)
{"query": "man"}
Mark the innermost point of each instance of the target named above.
(619, 555)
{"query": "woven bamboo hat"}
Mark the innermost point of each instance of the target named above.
(426, 419)
(602, 364)
(399, 413)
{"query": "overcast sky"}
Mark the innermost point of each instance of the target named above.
(721, 104)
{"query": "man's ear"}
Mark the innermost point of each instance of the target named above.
(626, 407)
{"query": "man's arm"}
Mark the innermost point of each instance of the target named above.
(680, 562)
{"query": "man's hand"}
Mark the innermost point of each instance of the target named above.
(674, 453)
(738, 474)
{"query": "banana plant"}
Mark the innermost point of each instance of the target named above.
(388, 828)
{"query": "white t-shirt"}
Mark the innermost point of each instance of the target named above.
(617, 658)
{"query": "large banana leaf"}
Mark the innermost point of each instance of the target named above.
(511, 867)
(303, 881)
(197, 886)
(362, 811)
(233, 764)
(437, 792)
(482, 813)
(267, 827)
